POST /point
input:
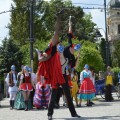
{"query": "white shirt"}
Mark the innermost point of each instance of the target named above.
(82, 76)
(14, 88)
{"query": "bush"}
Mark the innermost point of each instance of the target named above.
(116, 70)
(90, 55)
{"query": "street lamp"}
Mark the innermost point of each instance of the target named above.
(31, 31)
(106, 36)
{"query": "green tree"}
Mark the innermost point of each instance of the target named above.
(116, 70)
(85, 28)
(90, 55)
(116, 55)
(19, 22)
(55, 6)
(10, 55)
(102, 49)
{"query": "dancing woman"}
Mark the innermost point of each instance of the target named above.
(56, 77)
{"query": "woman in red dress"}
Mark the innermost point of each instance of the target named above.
(87, 89)
(26, 85)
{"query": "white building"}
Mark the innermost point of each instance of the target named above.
(114, 20)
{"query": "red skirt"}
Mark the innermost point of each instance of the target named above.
(26, 87)
(52, 71)
(43, 69)
(87, 87)
(56, 76)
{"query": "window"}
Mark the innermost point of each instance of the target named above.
(119, 29)
(118, 13)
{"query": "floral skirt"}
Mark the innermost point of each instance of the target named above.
(19, 103)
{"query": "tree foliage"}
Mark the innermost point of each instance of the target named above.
(89, 55)
(19, 22)
(10, 55)
(116, 54)
(85, 28)
(44, 21)
(102, 47)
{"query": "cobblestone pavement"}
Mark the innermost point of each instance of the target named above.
(100, 111)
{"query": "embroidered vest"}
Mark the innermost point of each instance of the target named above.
(11, 81)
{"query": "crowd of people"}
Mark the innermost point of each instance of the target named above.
(56, 77)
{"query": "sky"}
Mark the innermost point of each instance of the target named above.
(98, 16)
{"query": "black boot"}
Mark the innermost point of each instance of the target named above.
(50, 117)
(76, 115)
(11, 105)
(26, 105)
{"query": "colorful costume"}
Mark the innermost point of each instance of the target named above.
(87, 90)
(75, 88)
(46, 68)
(26, 85)
(11, 80)
(42, 95)
(19, 102)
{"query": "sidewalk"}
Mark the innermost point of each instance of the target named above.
(100, 111)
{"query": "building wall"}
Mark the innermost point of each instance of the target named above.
(113, 20)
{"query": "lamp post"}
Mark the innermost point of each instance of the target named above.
(31, 31)
(106, 36)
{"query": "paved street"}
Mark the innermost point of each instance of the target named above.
(100, 111)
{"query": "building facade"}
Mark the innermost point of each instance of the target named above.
(114, 20)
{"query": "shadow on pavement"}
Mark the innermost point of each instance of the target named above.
(118, 100)
(91, 118)
(4, 106)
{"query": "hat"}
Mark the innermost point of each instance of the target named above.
(60, 48)
(30, 69)
(13, 67)
(77, 47)
(26, 68)
(86, 66)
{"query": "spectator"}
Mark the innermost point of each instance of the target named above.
(119, 77)
(108, 84)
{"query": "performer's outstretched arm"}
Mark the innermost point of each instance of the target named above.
(70, 32)
(55, 38)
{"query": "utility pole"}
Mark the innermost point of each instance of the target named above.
(31, 31)
(106, 36)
